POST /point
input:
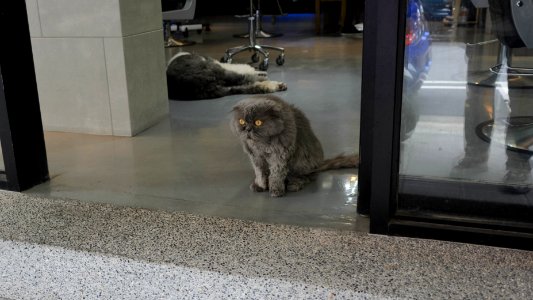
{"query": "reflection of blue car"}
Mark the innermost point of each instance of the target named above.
(416, 65)
(437, 9)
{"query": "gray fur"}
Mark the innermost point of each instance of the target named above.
(284, 151)
(194, 77)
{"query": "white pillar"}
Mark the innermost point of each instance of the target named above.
(100, 64)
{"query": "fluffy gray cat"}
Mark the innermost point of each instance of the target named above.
(194, 77)
(284, 151)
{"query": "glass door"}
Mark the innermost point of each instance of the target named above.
(446, 142)
(3, 177)
(467, 114)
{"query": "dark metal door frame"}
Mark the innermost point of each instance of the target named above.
(383, 63)
(382, 76)
(21, 130)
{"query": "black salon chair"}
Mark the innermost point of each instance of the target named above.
(513, 24)
(177, 11)
(253, 46)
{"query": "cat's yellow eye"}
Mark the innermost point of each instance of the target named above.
(258, 122)
(242, 122)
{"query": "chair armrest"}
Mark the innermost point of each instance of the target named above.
(186, 13)
(522, 12)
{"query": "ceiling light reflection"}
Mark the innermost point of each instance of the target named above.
(350, 189)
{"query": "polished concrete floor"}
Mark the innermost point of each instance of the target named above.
(191, 162)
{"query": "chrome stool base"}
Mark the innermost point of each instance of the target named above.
(253, 26)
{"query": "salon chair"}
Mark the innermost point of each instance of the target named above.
(253, 46)
(177, 10)
(513, 24)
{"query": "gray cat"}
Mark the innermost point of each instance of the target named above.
(284, 151)
(194, 77)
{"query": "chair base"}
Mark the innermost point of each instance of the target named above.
(263, 66)
(254, 27)
(517, 78)
(503, 69)
(519, 135)
(259, 34)
(491, 79)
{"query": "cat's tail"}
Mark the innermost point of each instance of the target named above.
(339, 162)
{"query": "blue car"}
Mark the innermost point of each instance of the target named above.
(417, 63)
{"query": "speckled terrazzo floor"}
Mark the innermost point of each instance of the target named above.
(61, 249)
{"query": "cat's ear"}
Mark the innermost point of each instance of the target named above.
(236, 108)
(274, 110)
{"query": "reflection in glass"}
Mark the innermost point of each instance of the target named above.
(351, 188)
(470, 119)
(3, 177)
(519, 135)
(2, 166)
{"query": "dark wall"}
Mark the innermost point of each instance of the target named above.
(238, 7)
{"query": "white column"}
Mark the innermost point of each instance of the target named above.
(100, 64)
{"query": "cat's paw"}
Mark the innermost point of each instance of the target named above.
(261, 73)
(294, 186)
(256, 188)
(277, 192)
(281, 86)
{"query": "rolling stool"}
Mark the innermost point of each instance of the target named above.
(512, 23)
(253, 46)
(259, 33)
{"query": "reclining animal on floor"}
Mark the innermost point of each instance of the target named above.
(194, 77)
(284, 151)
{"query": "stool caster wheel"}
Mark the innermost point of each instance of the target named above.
(280, 60)
(225, 59)
(263, 66)
(255, 58)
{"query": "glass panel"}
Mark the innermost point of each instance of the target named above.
(467, 115)
(2, 166)
(3, 177)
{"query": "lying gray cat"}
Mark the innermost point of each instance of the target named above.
(194, 77)
(284, 151)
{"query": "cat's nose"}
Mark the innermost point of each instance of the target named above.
(248, 128)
